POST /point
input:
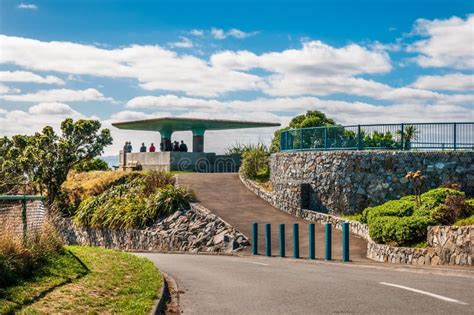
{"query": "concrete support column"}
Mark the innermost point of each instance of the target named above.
(198, 140)
(165, 140)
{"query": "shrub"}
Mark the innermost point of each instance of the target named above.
(18, 258)
(465, 221)
(454, 207)
(255, 163)
(401, 222)
(91, 165)
(136, 203)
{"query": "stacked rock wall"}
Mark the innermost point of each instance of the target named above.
(195, 230)
(348, 181)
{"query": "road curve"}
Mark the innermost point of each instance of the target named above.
(226, 196)
(259, 285)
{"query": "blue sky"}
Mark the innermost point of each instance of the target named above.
(358, 61)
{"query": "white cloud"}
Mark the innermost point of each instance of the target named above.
(449, 82)
(26, 76)
(57, 95)
(27, 6)
(134, 115)
(449, 43)
(197, 32)
(6, 89)
(54, 108)
(219, 33)
(183, 43)
(154, 67)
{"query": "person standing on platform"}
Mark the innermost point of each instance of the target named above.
(129, 148)
(143, 148)
(183, 147)
(152, 148)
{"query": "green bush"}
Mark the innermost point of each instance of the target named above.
(137, 203)
(255, 163)
(465, 221)
(402, 223)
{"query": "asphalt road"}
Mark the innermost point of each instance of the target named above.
(226, 196)
(260, 285)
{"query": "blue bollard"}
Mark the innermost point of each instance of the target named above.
(268, 240)
(312, 242)
(345, 241)
(296, 240)
(328, 241)
(282, 240)
(255, 238)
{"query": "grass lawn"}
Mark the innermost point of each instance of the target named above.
(87, 280)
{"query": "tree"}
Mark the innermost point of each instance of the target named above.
(43, 160)
(91, 165)
(312, 118)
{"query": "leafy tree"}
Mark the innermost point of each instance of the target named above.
(91, 165)
(43, 160)
(312, 118)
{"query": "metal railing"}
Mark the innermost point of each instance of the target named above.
(404, 136)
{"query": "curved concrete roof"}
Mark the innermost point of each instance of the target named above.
(171, 124)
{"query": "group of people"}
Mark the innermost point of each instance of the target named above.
(176, 146)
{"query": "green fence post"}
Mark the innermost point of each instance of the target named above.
(326, 138)
(255, 238)
(402, 136)
(328, 241)
(282, 240)
(312, 242)
(268, 240)
(296, 241)
(359, 138)
(345, 241)
(455, 136)
(301, 139)
(24, 219)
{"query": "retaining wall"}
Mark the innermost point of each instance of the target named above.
(340, 182)
(195, 230)
(447, 245)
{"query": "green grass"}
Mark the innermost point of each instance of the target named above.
(465, 221)
(110, 282)
(352, 217)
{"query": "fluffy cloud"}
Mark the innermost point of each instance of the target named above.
(153, 66)
(57, 95)
(183, 43)
(449, 43)
(26, 76)
(342, 111)
(6, 90)
(53, 109)
(449, 82)
(196, 32)
(219, 33)
(27, 6)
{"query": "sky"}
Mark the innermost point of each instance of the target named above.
(359, 62)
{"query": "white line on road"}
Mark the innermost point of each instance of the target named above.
(254, 262)
(424, 292)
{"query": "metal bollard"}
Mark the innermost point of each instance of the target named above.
(296, 240)
(255, 238)
(328, 241)
(345, 241)
(268, 240)
(282, 240)
(312, 242)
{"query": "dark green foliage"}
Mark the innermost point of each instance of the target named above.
(41, 162)
(402, 223)
(255, 163)
(312, 118)
(135, 203)
(91, 165)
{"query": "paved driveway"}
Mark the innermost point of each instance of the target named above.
(226, 196)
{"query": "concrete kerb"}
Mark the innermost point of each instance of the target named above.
(160, 303)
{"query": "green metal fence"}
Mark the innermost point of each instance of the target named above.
(404, 136)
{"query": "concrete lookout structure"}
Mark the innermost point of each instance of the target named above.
(169, 160)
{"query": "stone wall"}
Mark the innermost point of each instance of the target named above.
(195, 230)
(447, 245)
(347, 181)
